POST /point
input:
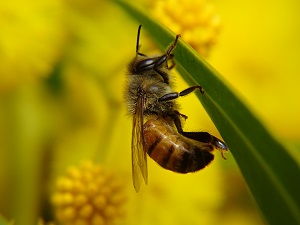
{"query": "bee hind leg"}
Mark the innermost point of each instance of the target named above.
(201, 137)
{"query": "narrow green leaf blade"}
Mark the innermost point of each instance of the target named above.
(271, 173)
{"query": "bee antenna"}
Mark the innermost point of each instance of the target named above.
(138, 39)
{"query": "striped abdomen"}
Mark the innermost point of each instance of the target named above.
(173, 151)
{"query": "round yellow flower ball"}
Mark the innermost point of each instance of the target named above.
(88, 195)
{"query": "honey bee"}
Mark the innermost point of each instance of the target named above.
(157, 129)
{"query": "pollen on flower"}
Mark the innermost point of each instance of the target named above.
(64, 183)
(80, 199)
(73, 172)
(100, 202)
(88, 195)
(86, 211)
(196, 21)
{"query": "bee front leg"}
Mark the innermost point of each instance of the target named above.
(164, 75)
(163, 59)
(173, 63)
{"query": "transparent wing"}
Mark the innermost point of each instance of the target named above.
(139, 157)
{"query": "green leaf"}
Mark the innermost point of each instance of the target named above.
(271, 172)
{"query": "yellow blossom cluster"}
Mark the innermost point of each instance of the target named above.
(196, 21)
(88, 195)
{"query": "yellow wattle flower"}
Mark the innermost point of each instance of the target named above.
(88, 195)
(196, 21)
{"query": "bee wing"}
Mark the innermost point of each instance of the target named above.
(139, 157)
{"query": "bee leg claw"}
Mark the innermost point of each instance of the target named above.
(223, 154)
(201, 90)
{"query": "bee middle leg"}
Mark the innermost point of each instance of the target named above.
(174, 95)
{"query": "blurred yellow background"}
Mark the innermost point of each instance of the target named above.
(62, 72)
